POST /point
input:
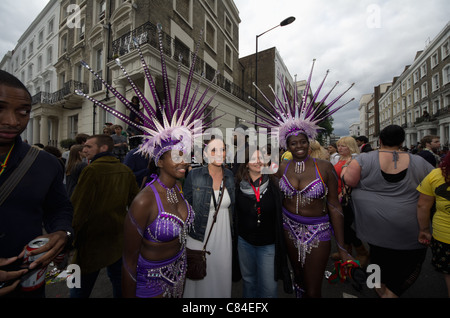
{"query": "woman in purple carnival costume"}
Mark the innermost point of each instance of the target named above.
(154, 259)
(311, 210)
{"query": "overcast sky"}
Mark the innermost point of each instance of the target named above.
(367, 42)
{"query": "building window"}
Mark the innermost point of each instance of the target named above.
(416, 76)
(435, 106)
(434, 60)
(416, 95)
(99, 60)
(63, 44)
(435, 82)
(228, 56)
(424, 89)
(31, 48)
(210, 35)
(445, 49)
(446, 74)
(228, 26)
(73, 126)
(81, 30)
(184, 9)
(182, 50)
(423, 70)
(49, 55)
(41, 37)
(51, 26)
(101, 10)
(39, 64)
(30, 72)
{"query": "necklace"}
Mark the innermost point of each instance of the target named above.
(171, 193)
(5, 162)
(300, 165)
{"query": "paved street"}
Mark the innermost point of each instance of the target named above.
(430, 284)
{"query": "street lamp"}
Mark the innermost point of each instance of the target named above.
(282, 23)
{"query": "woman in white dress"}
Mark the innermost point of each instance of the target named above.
(202, 189)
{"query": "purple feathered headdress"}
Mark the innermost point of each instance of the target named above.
(297, 116)
(182, 118)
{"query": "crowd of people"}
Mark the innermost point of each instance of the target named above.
(137, 215)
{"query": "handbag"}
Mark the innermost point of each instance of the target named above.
(196, 259)
(13, 180)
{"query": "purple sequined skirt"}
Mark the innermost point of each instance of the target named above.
(154, 278)
(306, 232)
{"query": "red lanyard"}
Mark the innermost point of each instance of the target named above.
(258, 198)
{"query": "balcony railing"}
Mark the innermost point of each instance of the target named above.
(148, 34)
(52, 98)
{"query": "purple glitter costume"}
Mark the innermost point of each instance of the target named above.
(166, 277)
(306, 232)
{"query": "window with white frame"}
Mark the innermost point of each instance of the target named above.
(99, 60)
(185, 9)
(49, 55)
(435, 82)
(39, 64)
(445, 49)
(210, 35)
(30, 72)
(228, 56)
(50, 26)
(101, 10)
(424, 89)
(447, 100)
(228, 25)
(434, 59)
(63, 44)
(31, 48)
(81, 30)
(41, 37)
(416, 76)
(423, 70)
(446, 74)
(435, 105)
(416, 95)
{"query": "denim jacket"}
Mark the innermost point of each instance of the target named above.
(197, 191)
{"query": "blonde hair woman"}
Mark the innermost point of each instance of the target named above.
(317, 151)
(348, 149)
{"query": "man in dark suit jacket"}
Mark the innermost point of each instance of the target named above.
(363, 144)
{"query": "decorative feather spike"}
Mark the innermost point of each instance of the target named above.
(150, 82)
(191, 72)
(164, 68)
(177, 127)
(144, 118)
(313, 101)
(298, 116)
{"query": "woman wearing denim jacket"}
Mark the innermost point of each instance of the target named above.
(199, 187)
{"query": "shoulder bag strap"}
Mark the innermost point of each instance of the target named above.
(215, 216)
(13, 180)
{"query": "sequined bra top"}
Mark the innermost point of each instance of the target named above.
(314, 190)
(167, 226)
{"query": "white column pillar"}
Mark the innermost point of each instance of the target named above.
(44, 130)
(408, 140)
(36, 130)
